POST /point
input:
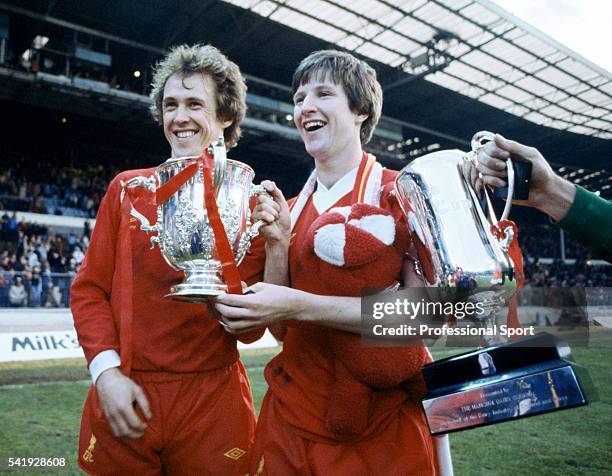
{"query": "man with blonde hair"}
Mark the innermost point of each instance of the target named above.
(169, 393)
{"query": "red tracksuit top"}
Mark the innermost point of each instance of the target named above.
(167, 335)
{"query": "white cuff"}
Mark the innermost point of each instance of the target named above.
(107, 359)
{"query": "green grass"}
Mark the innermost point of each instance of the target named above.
(41, 403)
(570, 442)
(41, 420)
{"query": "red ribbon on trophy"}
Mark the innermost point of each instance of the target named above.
(163, 193)
(514, 251)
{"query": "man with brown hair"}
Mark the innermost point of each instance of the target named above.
(337, 104)
(169, 393)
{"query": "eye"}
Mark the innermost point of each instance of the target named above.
(298, 100)
(195, 105)
(325, 93)
(168, 106)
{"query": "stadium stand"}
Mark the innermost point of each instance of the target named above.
(53, 185)
(87, 102)
(37, 265)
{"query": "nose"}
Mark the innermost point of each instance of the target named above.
(182, 115)
(308, 104)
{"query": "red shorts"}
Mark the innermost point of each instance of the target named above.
(404, 448)
(202, 424)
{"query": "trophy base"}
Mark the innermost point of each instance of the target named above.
(531, 391)
(199, 285)
(197, 293)
(503, 383)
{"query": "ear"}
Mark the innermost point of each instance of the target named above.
(361, 118)
(226, 124)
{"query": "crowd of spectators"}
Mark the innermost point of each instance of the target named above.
(37, 266)
(52, 186)
(542, 240)
(558, 274)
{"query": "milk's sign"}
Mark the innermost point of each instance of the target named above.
(16, 346)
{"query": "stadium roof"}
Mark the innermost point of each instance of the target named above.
(419, 115)
(473, 47)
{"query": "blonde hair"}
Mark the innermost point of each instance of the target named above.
(207, 60)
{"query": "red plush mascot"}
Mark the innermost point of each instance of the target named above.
(349, 249)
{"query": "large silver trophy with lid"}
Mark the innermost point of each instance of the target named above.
(184, 233)
(444, 212)
(506, 380)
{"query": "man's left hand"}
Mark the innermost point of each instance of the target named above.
(268, 304)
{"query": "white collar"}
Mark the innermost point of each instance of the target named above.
(323, 198)
(370, 194)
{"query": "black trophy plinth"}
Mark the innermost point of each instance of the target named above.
(522, 378)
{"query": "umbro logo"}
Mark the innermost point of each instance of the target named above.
(235, 453)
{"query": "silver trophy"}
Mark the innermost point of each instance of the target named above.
(184, 234)
(444, 212)
(503, 381)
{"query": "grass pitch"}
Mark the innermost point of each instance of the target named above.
(40, 404)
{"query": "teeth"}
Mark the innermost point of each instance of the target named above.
(184, 134)
(313, 125)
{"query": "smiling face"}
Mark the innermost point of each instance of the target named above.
(189, 111)
(324, 120)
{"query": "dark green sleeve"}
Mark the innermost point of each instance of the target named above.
(589, 221)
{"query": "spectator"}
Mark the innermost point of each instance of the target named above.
(35, 287)
(11, 227)
(72, 241)
(55, 297)
(57, 262)
(41, 252)
(87, 230)
(78, 256)
(17, 294)
(84, 242)
(5, 280)
(32, 258)
(46, 284)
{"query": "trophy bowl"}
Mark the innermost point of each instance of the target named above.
(444, 213)
(184, 234)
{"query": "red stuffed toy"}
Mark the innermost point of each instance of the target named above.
(350, 249)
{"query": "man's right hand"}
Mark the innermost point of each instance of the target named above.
(274, 212)
(548, 192)
(118, 395)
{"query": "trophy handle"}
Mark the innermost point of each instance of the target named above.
(254, 191)
(149, 184)
(217, 150)
(478, 141)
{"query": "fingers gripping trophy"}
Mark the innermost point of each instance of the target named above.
(203, 220)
